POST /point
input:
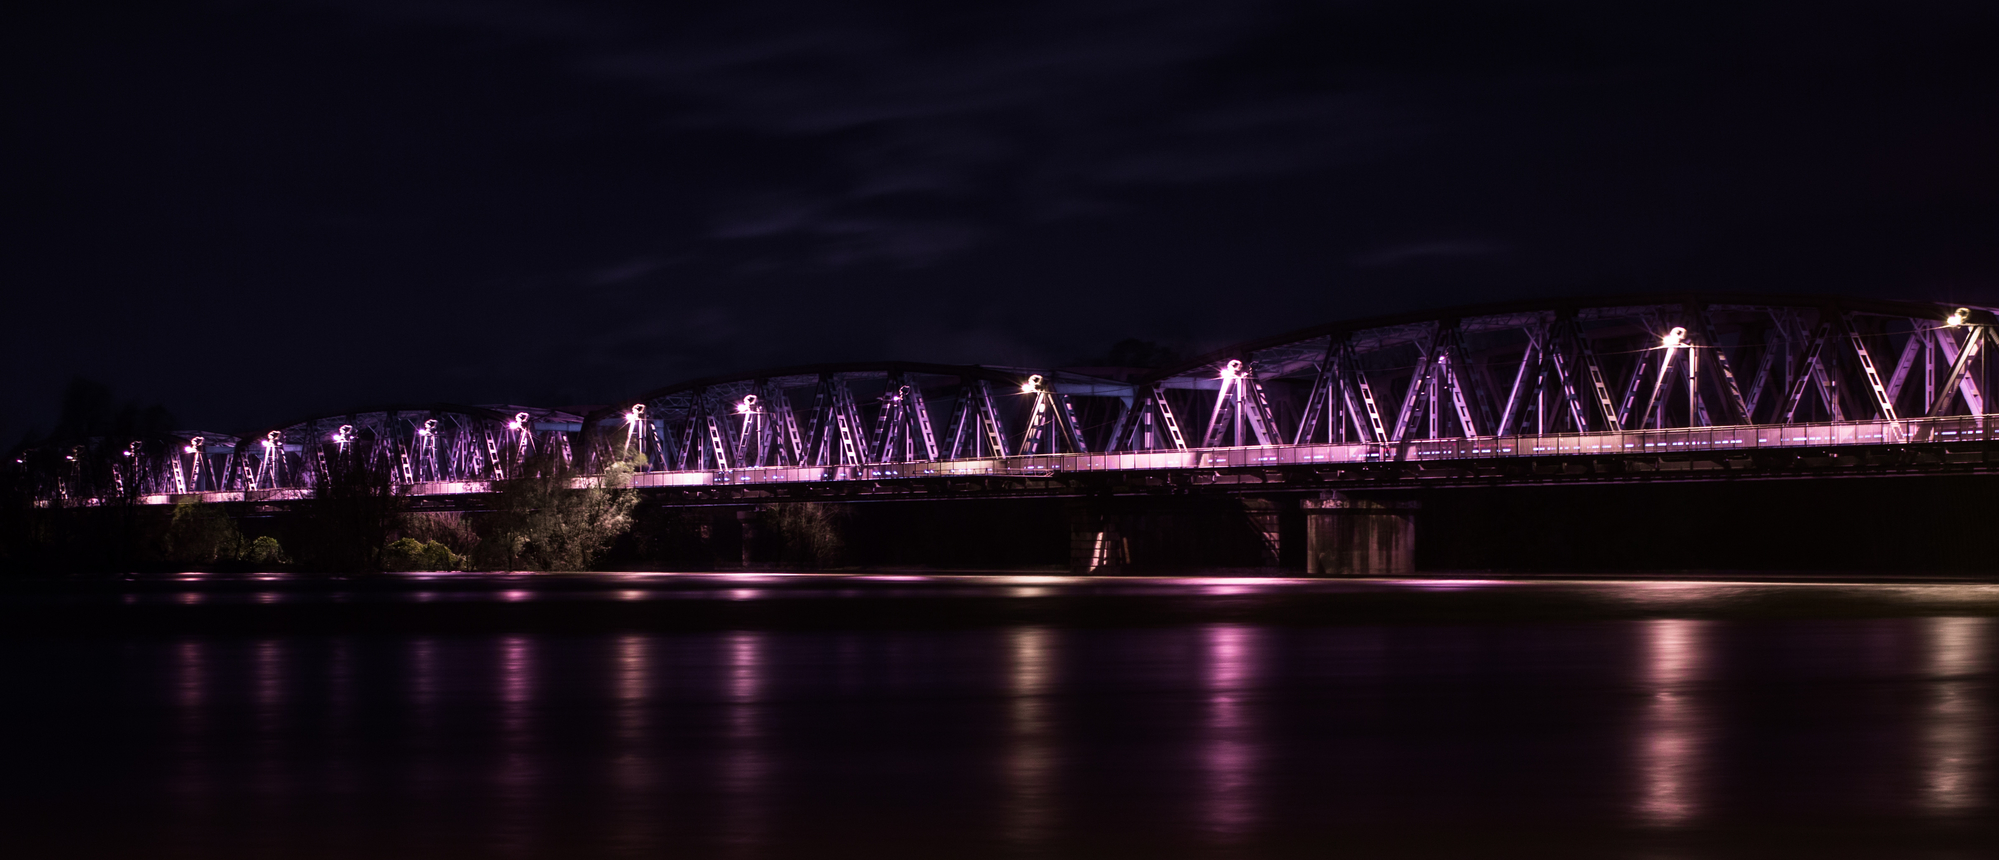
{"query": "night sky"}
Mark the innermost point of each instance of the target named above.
(252, 212)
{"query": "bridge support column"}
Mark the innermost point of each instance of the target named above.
(1359, 537)
(751, 534)
(1096, 544)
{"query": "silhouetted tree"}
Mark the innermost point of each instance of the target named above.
(544, 521)
(354, 514)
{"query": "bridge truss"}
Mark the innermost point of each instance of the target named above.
(1629, 378)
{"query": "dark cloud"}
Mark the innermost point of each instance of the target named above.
(252, 209)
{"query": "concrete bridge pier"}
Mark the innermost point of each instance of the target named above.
(1346, 536)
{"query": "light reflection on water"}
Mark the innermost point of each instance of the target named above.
(1957, 718)
(633, 765)
(745, 764)
(1230, 735)
(1030, 756)
(1673, 732)
(515, 780)
(1232, 747)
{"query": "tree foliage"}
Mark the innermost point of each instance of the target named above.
(201, 534)
(551, 519)
(411, 554)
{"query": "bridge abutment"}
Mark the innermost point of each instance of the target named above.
(1346, 536)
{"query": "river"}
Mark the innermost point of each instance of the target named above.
(770, 715)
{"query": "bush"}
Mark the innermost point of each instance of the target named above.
(202, 534)
(408, 555)
(265, 550)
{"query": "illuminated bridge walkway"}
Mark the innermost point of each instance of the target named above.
(1661, 387)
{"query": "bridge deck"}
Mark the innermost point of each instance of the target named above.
(1929, 434)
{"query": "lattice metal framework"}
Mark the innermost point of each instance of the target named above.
(1542, 369)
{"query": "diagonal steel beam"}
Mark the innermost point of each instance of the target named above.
(1911, 348)
(1733, 403)
(1959, 378)
(1529, 358)
(1884, 404)
(1410, 398)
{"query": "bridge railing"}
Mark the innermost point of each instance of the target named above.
(1923, 431)
(1916, 431)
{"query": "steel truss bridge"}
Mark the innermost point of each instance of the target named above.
(1627, 388)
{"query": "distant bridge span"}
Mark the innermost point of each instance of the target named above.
(1653, 387)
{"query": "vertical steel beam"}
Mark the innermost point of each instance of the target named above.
(1931, 338)
(1658, 384)
(1466, 423)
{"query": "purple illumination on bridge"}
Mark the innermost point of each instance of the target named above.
(1723, 376)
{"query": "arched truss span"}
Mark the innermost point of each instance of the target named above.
(406, 445)
(858, 413)
(128, 467)
(1591, 374)
(1574, 366)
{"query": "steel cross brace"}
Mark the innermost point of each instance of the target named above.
(1959, 379)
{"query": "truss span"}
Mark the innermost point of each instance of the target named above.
(1622, 376)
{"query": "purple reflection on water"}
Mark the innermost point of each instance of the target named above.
(1954, 747)
(1672, 730)
(192, 786)
(1029, 764)
(745, 763)
(518, 775)
(424, 772)
(1230, 749)
(632, 766)
(269, 685)
(341, 776)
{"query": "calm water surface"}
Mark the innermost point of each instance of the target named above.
(768, 716)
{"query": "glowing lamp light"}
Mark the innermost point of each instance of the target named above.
(1957, 317)
(1674, 338)
(190, 449)
(636, 414)
(520, 421)
(1232, 370)
(1032, 384)
(747, 405)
